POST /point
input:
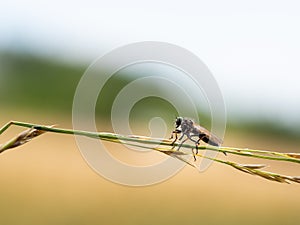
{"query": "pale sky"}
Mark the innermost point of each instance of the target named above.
(251, 47)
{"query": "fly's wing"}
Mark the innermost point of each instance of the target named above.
(208, 137)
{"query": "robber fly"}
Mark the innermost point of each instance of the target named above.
(187, 127)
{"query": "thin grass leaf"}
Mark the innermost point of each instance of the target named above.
(293, 155)
(21, 139)
(164, 146)
(253, 166)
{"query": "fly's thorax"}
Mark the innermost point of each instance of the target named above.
(187, 124)
(195, 131)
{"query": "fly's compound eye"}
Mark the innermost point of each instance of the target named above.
(178, 121)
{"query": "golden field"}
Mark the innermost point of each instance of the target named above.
(47, 181)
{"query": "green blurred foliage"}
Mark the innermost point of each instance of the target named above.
(43, 84)
(37, 83)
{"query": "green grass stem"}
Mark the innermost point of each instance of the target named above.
(166, 146)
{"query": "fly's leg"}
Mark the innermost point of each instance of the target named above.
(182, 141)
(176, 137)
(190, 138)
(172, 135)
(197, 144)
(194, 154)
(181, 137)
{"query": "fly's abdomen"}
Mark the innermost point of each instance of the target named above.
(212, 140)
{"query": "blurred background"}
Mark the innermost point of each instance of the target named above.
(251, 47)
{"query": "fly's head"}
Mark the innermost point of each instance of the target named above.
(178, 122)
